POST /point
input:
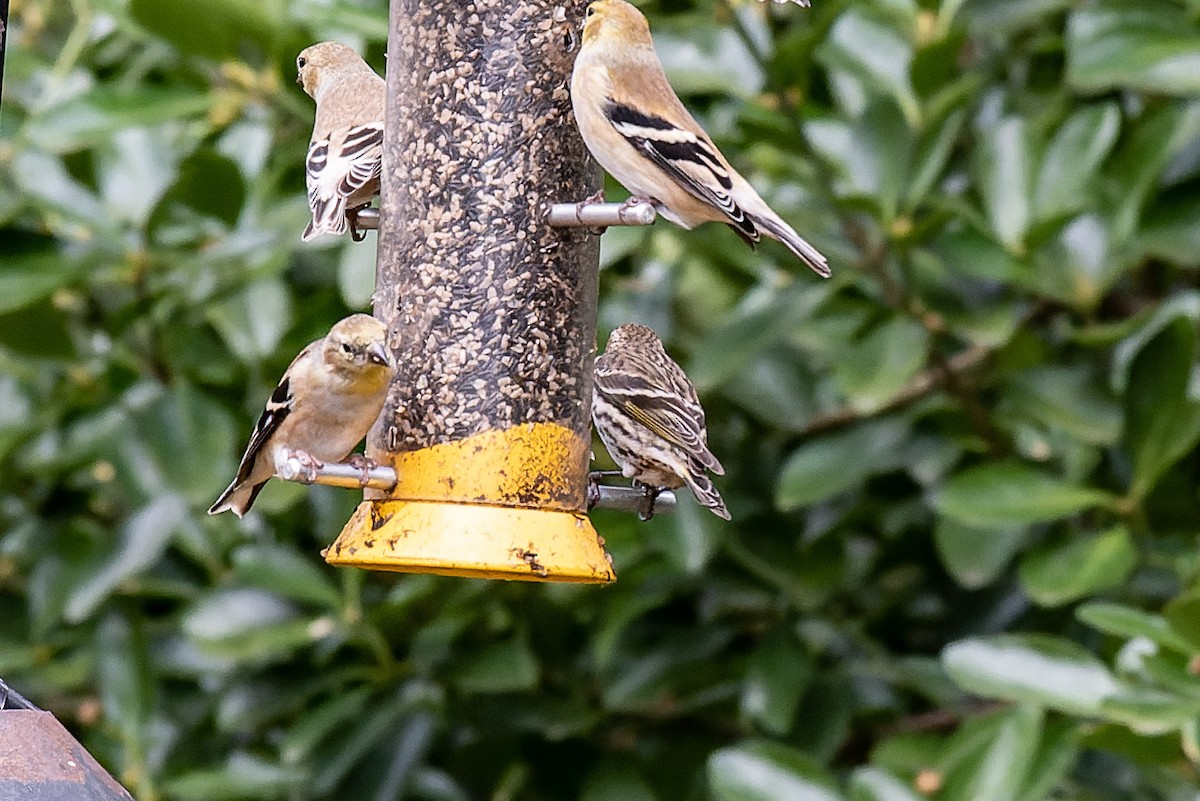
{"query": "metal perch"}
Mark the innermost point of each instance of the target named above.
(602, 215)
(338, 474)
(347, 476)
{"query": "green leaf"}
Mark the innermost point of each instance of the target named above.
(140, 543)
(1150, 711)
(1069, 398)
(874, 784)
(1124, 621)
(765, 771)
(873, 52)
(778, 673)
(319, 722)
(705, 59)
(1073, 158)
(500, 668)
(1169, 231)
(1058, 574)
(1056, 758)
(1011, 494)
(1151, 45)
(253, 321)
(216, 29)
(614, 780)
(106, 110)
(976, 555)
(876, 367)
(761, 320)
(211, 184)
(833, 463)
(877, 162)
(1162, 414)
(243, 777)
(1004, 169)
(286, 573)
(1183, 616)
(125, 682)
(27, 279)
(931, 156)
(997, 771)
(1030, 668)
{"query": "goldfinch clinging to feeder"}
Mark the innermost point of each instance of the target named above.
(637, 128)
(346, 151)
(327, 400)
(648, 416)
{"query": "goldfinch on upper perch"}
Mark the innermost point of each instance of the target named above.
(637, 128)
(345, 155)
(648, 415)
(324, 405)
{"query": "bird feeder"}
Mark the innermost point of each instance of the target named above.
(491, 306)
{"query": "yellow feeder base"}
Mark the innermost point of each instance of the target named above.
(493, 542)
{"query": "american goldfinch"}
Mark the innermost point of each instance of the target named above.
(345, 154)
(650, 420)
(327, 400)
(636, 127)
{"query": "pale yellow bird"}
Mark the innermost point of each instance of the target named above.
(345, 154)
(324, 405)
(636, 127)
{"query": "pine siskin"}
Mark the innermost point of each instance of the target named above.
(345, 155)
(327, 400)
(648, 416)
(636, 127)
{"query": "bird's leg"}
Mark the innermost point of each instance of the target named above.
(651, 495)
(309, 463)
(635, 200)
(364, 463)
(352, 219)
(597, 197)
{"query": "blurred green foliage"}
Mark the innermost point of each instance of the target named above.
(963, 472)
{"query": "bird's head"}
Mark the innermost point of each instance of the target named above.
(357, 346)
(317, 60)
(632, 335)
(615, 21)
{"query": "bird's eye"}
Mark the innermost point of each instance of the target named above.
(346, 348)
(300, 62)
(590, 11)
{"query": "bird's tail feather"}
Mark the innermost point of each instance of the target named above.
(781, 231)
(329, 217)
(237, 498)
(702, 487)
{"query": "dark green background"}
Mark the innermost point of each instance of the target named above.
(963, 471)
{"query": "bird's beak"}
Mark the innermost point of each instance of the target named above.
(299, 79)
(378, 354)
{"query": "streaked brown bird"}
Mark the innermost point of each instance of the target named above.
(327, 400)
(345, 154)
(648, 415)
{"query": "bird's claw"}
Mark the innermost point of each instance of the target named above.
(364, 463)
(593, 491)
(650, 496)
(309, 464)
(356, 234)
(590, 200)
